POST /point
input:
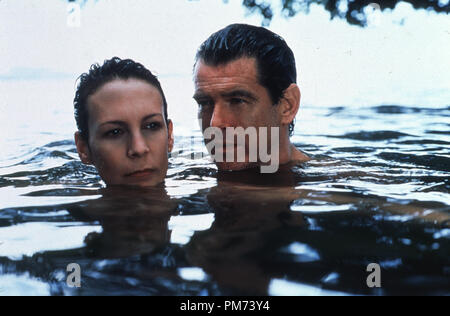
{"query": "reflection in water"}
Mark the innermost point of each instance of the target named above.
(134, 245)
(309, 229)
(134, 221)
(257, 241)
(245, 217)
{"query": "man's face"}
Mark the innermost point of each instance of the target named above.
(230, 95)
(128, 136)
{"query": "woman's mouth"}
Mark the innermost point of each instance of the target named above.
(140, 173)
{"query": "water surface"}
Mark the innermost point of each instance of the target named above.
(376, 191)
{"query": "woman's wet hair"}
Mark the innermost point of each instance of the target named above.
(275, 60)
(112, 69)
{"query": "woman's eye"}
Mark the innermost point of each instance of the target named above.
(153, 126)
(114, 132)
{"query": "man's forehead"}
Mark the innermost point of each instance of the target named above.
(243, 68)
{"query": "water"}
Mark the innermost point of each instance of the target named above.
(377, 191)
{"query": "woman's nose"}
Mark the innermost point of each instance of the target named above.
(137, 146)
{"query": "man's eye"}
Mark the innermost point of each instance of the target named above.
(205, 104)
(237, 101)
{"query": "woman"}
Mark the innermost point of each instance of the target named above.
(123, 129)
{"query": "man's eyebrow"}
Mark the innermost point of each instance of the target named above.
(122, 123)
(232, 94)
(240, 93)
(199, 95)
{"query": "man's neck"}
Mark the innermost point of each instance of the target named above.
(297, 155)
(289, 153)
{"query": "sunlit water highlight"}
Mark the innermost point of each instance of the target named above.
(377, 190)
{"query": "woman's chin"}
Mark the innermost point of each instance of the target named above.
(141, 183)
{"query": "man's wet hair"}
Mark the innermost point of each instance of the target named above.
(112, 69)
(275, 60)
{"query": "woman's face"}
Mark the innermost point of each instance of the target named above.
(129, 139)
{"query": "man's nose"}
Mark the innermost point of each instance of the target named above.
(222, 117)
(137, 145)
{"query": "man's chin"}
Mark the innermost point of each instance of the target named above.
(235, 166)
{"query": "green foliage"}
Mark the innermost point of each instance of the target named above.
(351, 10)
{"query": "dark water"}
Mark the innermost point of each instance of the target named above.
(377, 191)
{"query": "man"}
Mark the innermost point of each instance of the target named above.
(245, 77)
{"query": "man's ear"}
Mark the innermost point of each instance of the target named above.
(83, 149)
(289, 104)
(170, 134)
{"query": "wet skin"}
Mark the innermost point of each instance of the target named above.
(230, 95)
(129, 139)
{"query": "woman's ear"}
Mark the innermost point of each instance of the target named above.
(83, 149)
(170, 135)
(289, 104)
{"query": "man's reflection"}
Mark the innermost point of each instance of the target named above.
(246, 215)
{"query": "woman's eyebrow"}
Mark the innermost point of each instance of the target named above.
(122, 123)
(151, 116)
(113, 123)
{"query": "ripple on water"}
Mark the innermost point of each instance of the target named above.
(30, 238)
(374, 192)
(434, 162)
(373, 135)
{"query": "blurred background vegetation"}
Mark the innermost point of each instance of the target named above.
(353, 11)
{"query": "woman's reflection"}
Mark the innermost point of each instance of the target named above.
(134, 221)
